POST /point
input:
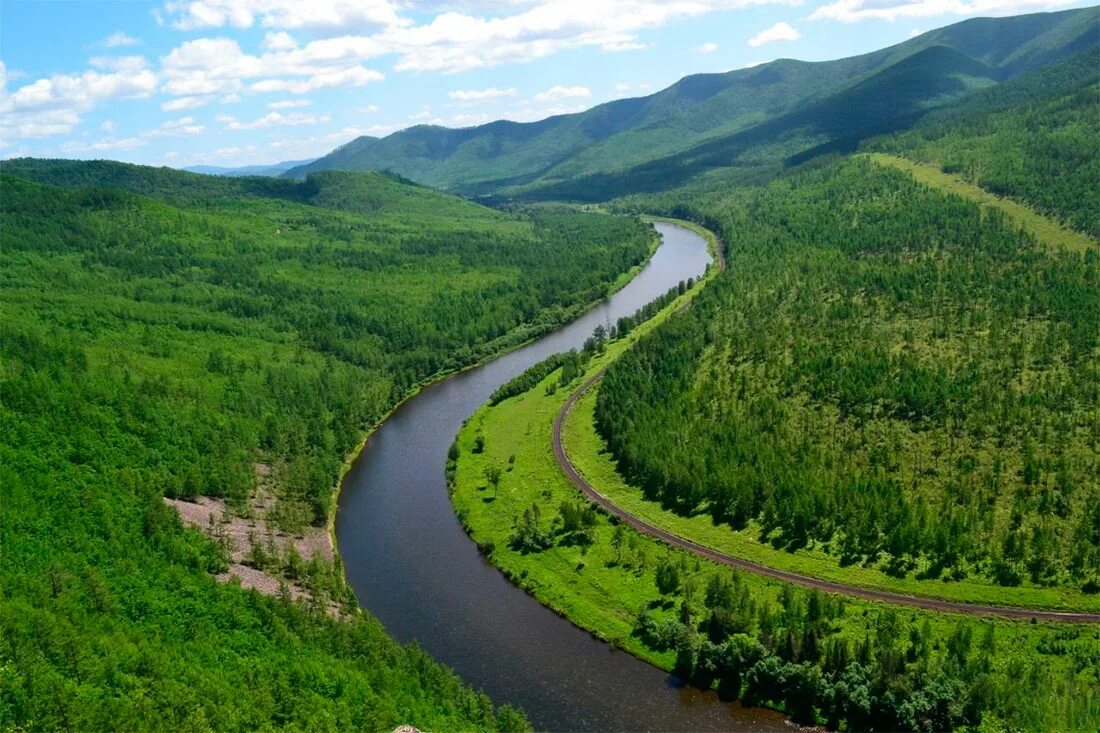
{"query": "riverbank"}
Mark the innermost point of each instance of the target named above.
(604, 579)
(501, 346)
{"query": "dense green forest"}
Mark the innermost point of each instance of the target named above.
(827, 659)
(884, 373)
(163, 344)
(1032, 139)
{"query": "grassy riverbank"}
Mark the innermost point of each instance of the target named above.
(588, 452)
(603, 578)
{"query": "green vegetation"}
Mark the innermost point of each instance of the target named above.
(162, 344)
(821, 658)
(755, 120)
(893, 379)
(1046, 231)
(1032, 139)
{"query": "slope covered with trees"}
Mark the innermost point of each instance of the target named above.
(163, 345)
(1032, 139)
(748, 117)
(885, 374)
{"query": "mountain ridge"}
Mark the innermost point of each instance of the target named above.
(622, 134)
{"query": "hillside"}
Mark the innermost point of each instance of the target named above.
(706, 119)
(202, 340)
(1032, 139)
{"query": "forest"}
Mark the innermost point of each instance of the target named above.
(1032, 139)
(160, 340)
(823, 659)
(892, 377)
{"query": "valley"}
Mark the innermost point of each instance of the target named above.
(767, 399)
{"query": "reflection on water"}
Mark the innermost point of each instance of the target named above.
(412, 565)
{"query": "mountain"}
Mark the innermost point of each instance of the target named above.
(786, 108)
(274, 169)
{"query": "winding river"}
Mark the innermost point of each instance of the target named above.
(411, 564)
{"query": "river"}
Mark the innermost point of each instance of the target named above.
(411, 564)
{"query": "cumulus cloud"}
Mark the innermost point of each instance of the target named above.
(281, 41)
(119, 39)
(53, 105)
(289, 104)
(122, 64)
(182, 103)
(273, 119)
(219, 66)
(532, 114)
(553, 94)
(779, 32)
(291, 14)
(480, 95)
(450, 41)
(104, 145)
(183, 127)
(852, 11)
(707, 48)
(469, 120)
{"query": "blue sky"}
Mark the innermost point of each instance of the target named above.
(236, 82)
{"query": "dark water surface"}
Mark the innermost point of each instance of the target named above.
(411, 564)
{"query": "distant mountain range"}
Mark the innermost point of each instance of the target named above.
(777, 113)
(275, 169)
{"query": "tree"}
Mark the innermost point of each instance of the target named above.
(492, 476)
(668, 577)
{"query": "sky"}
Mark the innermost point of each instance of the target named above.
(243, 82)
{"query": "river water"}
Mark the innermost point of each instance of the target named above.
(411, 564)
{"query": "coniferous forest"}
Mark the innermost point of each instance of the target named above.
(888, 373)
(888, 377)
(167, 342)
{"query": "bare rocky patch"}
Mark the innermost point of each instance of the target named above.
(262, 555)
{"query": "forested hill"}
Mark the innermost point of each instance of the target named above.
(365, 192)
(1033, 139)
(650, 143)
(176, 342)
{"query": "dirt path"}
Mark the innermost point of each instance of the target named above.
(929, 604)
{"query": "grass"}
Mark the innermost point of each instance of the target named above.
(588, 452)
(602, 588)
(1046, 230)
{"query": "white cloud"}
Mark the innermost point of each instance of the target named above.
(53, 106)
(627, 44)
(218, 65)
(122, 64)
(273, 119)
(183, 127)
(182, 103)
(531, 114)
(104, 145)
(469, 120)
(355, 76)
(231, 98)
(556, 93)
(315, 14)
(369, 109)
(914, 33)
(289, 104)
(108, 127)
(480, 95)
(779, 32)
(852, 11)
(281, 41)
(119, 39)
(707, 48)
